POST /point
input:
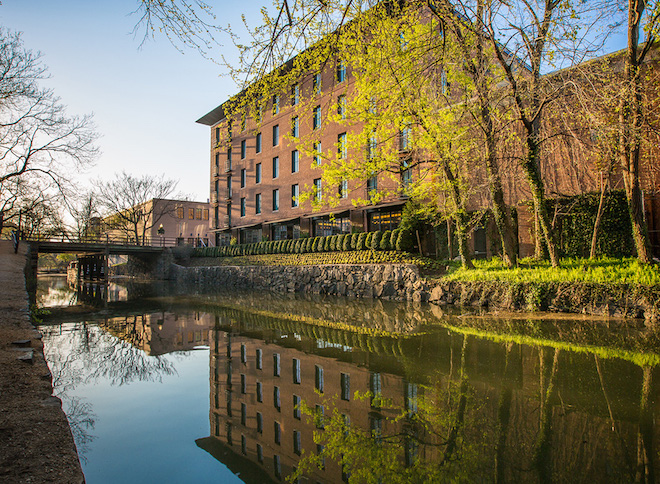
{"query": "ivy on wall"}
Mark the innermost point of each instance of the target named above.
(575, 220)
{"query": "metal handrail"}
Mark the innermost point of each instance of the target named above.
(107, 240)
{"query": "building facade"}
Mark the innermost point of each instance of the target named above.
(165, 223)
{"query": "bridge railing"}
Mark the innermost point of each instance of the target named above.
(121, 240)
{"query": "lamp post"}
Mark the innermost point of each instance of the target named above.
(161, 231)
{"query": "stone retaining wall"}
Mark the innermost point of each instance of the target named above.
(387, 281)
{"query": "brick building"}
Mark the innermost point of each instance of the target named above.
(259, 170)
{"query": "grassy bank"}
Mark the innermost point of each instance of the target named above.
(598, 271)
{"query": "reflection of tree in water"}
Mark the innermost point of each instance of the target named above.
(81, 353)
(82, 421)
(443, 432)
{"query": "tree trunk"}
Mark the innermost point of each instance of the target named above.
(630, 121)
(599, 215)
(645, 455)
(460, 217)
(533, 173)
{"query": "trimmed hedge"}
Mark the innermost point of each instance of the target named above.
(399, 240)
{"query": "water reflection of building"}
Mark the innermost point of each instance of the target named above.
(158, 333)
(534, 413)
(257, 387)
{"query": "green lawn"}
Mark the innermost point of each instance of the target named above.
(603, 270)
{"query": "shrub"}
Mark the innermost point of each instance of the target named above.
(309, 244)
(354, 240)
(394, 236)
(321, 244)
(367, 242)
(362, 239)
(327, 243)
(405, 241)
(375, 240)
(315, 244)
(296, 246)
(385, 240)
(346, 244)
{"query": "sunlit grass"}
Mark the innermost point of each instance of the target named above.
(604, 270)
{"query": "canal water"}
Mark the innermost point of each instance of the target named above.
(164, 385)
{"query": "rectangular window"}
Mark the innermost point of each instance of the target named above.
(229, 190)
(295, 127)
(341, 146)
(243, 177)
(341, 71)
(243, 445)
(217, 135)
(276, 166)
(243, 354)
(243, 383)
(341, 106)
(295, 94)
(257, 173)
(260, 392)
(296, 442)
(228, 167)
(318, 378)
(243, 207)
(277, 467)
(276, 398)
(318, 192)
(294, 195)
(205, 215)
(228, 428)
(296, 371)
(277, 432)
(191, 213)
(243, 414)
(404, 138)
(260, 454)
(372, 186)
(316, 117)
(296, 407)
(411, 398)
(295, 164)
(259, 358)
(179, 212)
(276, 135)
(198, 214)
(260, 422)
(375, 386)
(316, 83)
(257, 204)
(276, 364)
(372, 144)
(276, 200)
(258, 142)
(317, 153)
(276, 104)
(319, 450)
(217, 163)
(243, 149)
(319, 416)
(345, 386)
(343, 189)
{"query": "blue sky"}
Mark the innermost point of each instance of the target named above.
(145, 101)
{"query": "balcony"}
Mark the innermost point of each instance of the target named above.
(227, 193)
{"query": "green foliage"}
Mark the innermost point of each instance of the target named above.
(354, 240)
(367, 241)
(394, 236)
(346, 242)
(385, 240)
(362, 241)
(575, 222)
(405, 242)
(605, 270)
(375, 240)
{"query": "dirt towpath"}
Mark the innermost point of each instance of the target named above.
(36, 444)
